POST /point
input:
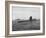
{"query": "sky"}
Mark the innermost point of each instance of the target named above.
(25, 12)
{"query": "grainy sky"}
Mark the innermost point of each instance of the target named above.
(25, 12)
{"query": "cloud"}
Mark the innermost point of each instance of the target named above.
(25, 12)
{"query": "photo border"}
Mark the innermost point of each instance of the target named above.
(26, 31)
(7, 18)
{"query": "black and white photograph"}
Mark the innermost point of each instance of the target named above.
(25, 18)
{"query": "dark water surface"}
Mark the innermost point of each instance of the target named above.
(25, 25)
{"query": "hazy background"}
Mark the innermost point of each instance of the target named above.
(25, 12)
